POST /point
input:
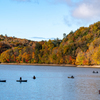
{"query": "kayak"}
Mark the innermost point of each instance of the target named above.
(21, 80)
(71, 77)
(95, 71)
(2, 80)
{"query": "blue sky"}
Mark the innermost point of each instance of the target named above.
(46, 19)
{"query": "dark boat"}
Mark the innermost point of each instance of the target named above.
(95, 71)
(2, 80)
(21, 80)
(71, 77)
(34, 77)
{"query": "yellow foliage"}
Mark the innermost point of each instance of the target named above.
(96, 55)
(61, 61)
(33, 55)
(80, 58)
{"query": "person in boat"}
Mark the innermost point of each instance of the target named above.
(20, 78)
(93, 71)
(34, 77)
(72, 76)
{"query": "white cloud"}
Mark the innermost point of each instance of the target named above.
(87, 10)
(82, 9)
(82, 12)
(42, 38)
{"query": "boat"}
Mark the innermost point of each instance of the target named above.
(21, 80)
(2, 80)
(95, 71)
(71, 77)
(34, 77)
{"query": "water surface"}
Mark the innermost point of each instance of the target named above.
(51, 83)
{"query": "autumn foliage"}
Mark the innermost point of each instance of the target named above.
(81, 47)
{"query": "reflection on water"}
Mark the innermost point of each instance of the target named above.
(51, 83)
(87, 89)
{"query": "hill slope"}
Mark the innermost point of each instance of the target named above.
(81, 47)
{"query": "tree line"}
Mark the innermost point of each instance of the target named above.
(81, 47)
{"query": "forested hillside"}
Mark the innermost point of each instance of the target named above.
(81, 47)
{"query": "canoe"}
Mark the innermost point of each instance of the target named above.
(21, 80)
(95, 71)
(71, 77)
(2, 80)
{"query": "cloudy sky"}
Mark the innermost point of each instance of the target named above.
(46, 19)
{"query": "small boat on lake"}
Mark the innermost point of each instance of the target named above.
(2, 80)
(95, 71)
(34, 77)
(71, 77)
(21, 80)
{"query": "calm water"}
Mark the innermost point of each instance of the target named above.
(51, 83)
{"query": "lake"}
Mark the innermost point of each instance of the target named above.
(51, 83)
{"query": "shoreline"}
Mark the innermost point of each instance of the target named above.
(88, 66)
(63, 65)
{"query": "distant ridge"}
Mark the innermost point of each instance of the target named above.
(81, 47)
